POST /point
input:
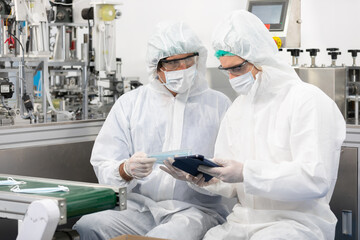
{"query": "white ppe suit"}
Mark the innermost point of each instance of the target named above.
(287, 133)
(150, 120)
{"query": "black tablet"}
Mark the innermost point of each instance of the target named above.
(190, 164)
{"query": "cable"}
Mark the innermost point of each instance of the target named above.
(22, 47)
(58, 3)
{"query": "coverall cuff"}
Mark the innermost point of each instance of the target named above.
(123, 173)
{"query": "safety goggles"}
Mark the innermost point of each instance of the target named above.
(237, 70)
(174, 64)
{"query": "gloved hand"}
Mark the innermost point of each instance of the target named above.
(199, 180)
(231, 170)
(173, 171)
(139, 165)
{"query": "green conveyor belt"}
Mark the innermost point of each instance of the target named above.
(80, 200)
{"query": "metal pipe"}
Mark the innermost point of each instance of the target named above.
(2, 36)
(333, 63)
(313, 61)
(353, 76)
(63, 30)
(45, 77)
(356, 110)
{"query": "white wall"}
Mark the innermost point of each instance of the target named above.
(326, 23)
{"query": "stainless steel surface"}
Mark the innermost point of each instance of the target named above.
(330, 80)
(48, 134)
(63, 161)
(344, 202)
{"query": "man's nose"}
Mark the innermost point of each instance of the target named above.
(182, 65)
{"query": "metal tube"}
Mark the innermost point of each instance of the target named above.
(354, 61)
(21, 81)
(333, 63)
(63, 30)
(356, 110)
(313, 61)
(45, 77)
(353, 76)
(67, 46)
(2, 36)
(85, 91)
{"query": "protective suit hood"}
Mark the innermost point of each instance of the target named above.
(246, 36)
(172, 39)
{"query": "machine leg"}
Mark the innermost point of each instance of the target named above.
(40, 221)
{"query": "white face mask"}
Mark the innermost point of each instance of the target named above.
(180, 81)
(59, 188)
(242, 84)
(10, 181)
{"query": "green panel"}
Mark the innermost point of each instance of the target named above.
(80, 200)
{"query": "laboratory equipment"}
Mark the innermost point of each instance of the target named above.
(330, 79)
(283, 18)
(353, 90)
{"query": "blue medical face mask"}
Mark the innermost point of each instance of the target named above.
(40, 190)
(162, 156)
(10, 182)
(242, 84)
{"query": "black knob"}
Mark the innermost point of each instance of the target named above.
(354, 52)
(295, 52)
(280, 49)
(334, 55)
(118, 59)
(313, 51)
(332, 49)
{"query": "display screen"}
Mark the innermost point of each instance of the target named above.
(268, 14)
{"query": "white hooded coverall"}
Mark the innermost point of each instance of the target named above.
(150, 119)
(287, 133)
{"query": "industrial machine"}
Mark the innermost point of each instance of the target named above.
(41, 213)
(330, 79)
(283, 19)
(73, 48)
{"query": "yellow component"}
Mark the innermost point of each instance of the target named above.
(278, 42)
(107, 12)
(56, 103)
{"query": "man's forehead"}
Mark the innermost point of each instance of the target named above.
(227, 61)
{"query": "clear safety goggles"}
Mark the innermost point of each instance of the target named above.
(237, 70)
(174, 64)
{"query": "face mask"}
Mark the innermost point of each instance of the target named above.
(40, 190)
(10, 181)
(162, 156)
(180, 81)
(242, 84)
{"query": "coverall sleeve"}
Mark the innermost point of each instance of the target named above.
(223, 150)
(112, 147)
(316, 132)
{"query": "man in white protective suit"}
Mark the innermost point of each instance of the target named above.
(176, 110)
(279, 143)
